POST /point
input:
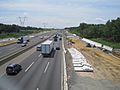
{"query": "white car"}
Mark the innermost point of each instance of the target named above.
(23, 45)
(38, 48)
(25, 42)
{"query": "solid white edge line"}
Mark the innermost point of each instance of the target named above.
(39, 55)
(29, 67)
(12, 48)
(2, 74)
(65, 71)
(46, 67)
(63, 46)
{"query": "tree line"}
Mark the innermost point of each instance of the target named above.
(109, 31)
(15, 28)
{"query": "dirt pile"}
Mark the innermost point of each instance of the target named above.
(106, 66)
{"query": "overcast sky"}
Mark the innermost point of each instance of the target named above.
(58, 13)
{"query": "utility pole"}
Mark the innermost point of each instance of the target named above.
(22, 20)
(44, 25)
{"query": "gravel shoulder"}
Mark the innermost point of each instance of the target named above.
(106, 70)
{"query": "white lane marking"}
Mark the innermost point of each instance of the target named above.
(39, 55)
(2, 75)
(12, 48)
(46, 67)
(29, 67)
(37, 89)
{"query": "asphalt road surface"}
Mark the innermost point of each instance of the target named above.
(39, 73)
(5, 50)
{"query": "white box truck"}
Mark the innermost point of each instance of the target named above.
(47, 47)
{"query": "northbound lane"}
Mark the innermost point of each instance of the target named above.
(38, 74)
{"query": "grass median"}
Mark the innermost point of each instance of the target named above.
(7, 42)
(18, 34)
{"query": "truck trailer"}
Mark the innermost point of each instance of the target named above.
(23, 38)
(47, 48)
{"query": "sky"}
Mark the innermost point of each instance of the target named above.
(58, 13)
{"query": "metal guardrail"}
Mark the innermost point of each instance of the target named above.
(16, 53)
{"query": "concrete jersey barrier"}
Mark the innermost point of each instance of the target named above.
(98, 44)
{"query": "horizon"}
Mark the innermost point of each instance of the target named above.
(57, 13)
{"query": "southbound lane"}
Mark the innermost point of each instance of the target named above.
(5, 50)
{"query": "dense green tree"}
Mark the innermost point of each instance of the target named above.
(109, 31)
(15, 28)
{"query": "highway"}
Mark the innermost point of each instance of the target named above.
(38, 73)
(5, 50)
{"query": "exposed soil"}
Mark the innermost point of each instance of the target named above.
(106, 66)
(106, 75)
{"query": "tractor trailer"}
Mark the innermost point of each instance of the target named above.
(23, 38)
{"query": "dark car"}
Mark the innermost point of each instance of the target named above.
(57, 48)
(88, 45)
(13, 69)
(60, 38)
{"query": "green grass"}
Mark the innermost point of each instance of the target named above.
(111, 44)
(18, 34)
(75, 31)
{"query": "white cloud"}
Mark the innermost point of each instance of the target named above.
(101, 19)
(65, 13)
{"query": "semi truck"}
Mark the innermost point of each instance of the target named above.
(47, 47)
(23, 38)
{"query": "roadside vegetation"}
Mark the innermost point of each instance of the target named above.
(111, 44)
(107, 34)
(15, 31)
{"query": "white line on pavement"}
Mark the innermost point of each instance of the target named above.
(65, 71)
(12, 48)
(37, 89)
(63, 46)
(29, 67)
(46, 67)
(2, 75)
(39, 55)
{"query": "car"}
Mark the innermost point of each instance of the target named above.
(60, 38)
(57, 48)
(88, 45)
(38, 48)
(41, 37)
(25, 42)
(12, 69)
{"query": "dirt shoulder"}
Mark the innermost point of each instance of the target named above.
(106, 69)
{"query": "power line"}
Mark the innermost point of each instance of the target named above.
(22, 20)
